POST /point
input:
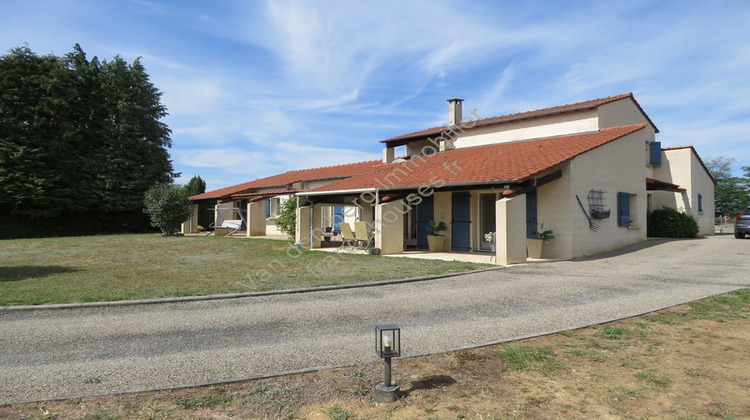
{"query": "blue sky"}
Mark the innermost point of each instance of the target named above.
(256, 88)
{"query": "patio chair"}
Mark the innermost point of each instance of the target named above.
(362, 235)
(347, 236)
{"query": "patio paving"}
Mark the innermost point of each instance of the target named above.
(473, 257)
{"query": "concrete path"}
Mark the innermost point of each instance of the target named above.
(84, 351)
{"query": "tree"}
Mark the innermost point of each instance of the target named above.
(287, 218)
(731, 194)
(195, 186)
(31, 182)
(167, 206)
(118, 125)
(79, 138)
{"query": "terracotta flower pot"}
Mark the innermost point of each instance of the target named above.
(534, 247)
(435, 243)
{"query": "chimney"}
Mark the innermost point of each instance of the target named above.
(454, 111)
(389, 154)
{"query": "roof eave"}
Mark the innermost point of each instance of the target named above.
(413, 187)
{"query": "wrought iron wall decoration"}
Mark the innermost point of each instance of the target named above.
(597, 209)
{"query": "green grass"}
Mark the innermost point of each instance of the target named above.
(717, 308)
(125, 267)
(622, 393)
(651, 376)
(338, 413)
(594, 355)
(542, 359)
(613, 332)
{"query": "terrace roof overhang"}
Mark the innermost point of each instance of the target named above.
(656, 185)
(509, 188)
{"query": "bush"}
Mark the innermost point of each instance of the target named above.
(168, 207)
(286, 221)
(672, 223)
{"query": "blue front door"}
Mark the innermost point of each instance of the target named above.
(425, 213)
(461, 222)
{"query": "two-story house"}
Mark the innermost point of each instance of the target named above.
(590, 171)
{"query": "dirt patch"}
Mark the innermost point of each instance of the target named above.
(688, 362)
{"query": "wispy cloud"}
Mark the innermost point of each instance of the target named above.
(256, 88)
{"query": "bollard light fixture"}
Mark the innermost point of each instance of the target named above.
(387, 345)
(388, 340)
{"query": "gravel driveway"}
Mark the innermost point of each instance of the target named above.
(85, 351)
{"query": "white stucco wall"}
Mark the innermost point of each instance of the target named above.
(622, 112)
(614, 167)
(553, 125)
(682, 167)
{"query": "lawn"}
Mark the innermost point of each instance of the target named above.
(125, 267)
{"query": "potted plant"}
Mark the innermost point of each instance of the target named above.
(600, 212)
(534, 245)
(435, 240)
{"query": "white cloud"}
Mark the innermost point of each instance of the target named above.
(259, 88)
(193, 96)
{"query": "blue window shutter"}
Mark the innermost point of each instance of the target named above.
(268, 208)
(655, 151)
(700, 203)
(623, 209)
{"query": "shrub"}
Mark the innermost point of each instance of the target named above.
(168, 207)
(672, 223)
(286, 221)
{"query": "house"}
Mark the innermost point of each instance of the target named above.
(591, 171)
(257, 203)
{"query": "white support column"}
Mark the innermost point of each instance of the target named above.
(256, 218)
(302, 234)
(510, 222)
(317, 230)
(389, 227)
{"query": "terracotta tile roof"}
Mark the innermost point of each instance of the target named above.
(579, 106)
(492, 164)
(287, 178)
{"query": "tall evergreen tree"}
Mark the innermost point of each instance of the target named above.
(78, 136)
(30, 180)
(195, 186)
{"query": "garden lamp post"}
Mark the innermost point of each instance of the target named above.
(387, 345)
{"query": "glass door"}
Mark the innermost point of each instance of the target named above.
(486, 219)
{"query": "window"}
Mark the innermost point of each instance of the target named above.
(273, 206)
(623, 209)
(700, 203)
